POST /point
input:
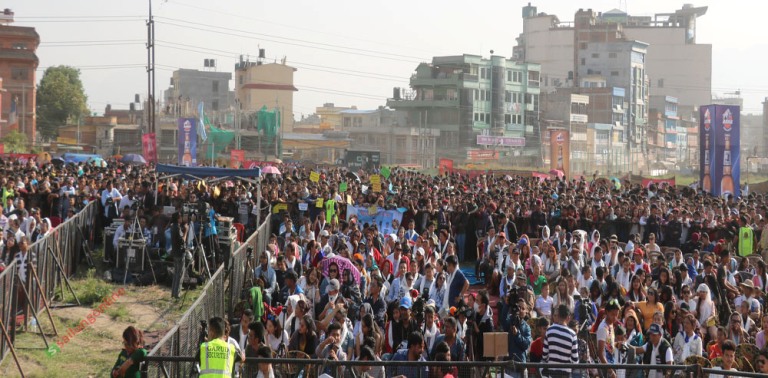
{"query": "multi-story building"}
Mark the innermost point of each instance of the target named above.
(565, 109)
(269, 85)
(191, 87)
(18, 64)
(330, 115)
(674, 143)
(384, 130)
(674, 63)
(467, 96)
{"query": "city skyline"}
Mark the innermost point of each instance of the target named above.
(345, 54)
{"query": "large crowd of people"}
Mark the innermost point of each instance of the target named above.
(572, 270)
(578, 270)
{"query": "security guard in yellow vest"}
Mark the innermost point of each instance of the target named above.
(217, 356)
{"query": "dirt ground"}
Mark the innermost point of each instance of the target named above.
(93, 352)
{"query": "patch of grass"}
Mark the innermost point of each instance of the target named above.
(119, 312)
(91, 289)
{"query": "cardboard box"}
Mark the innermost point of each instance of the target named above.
(495, 344)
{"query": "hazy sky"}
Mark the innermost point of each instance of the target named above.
(347, 52)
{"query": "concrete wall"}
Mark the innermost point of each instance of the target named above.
(685, 69)
(253, 100)
(550, 47)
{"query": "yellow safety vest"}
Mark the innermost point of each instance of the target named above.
(217, 359)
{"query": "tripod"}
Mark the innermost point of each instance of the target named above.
(135, 225)
(200, 251)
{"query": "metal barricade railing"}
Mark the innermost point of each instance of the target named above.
(218, 298)
(57, 254)
(283, 367)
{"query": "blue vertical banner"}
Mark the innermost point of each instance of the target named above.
(727, 130)
(706, 149)
(187, 142)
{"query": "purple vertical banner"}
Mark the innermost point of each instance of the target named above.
(706, 149)
(726, 126)
(187, 142)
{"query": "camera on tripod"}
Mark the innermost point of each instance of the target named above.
(514, 309)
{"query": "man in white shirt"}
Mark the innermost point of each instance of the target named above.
(110, 192)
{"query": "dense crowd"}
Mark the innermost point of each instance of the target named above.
(581, 270)
(576, 270)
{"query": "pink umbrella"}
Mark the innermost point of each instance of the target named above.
(343, 264)
(556, 172)
(270, 169)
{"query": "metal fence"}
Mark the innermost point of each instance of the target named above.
(284, 368)
(219, 297)
(57, 256)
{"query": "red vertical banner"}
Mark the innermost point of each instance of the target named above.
(236, 158)
(2, 148)
(446, 165)
(149, 147)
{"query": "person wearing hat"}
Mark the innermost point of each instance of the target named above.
(656, 351)
(748, 291)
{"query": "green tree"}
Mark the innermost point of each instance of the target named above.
(60, 99)
(15, 142)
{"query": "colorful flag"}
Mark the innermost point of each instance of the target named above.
(201, 123)
(13, 116)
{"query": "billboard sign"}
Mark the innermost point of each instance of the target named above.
(560, 154)
(720, 143)
(500, 141)
(187, 142)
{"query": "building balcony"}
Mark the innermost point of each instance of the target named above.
(434, 103)
(446, 81)
(579, 118)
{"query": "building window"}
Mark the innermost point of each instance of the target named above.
(614, 73)
(507, 96)
(19, 74)
(583, 61)
(477, 94)
(358, 122)
(509, 75)
(661, 83)
(482, 95)
(347, 122)
(487, 117)
(19, 46)
(507, 119)
(517, 76)
(215, 86)
(612, 55)
(215, 105)
(477, 117)
(583, 45)
(240, 79)
(595, 55)
(483, 71)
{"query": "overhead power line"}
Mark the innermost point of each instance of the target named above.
(306, 44)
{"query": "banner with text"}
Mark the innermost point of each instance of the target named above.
(720, 156)
(187, 142)
(446, 166)
(381, 218)
(560, 151)
(659, 182)
(236, 158)
(149, 147)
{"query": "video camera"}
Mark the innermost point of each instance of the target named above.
(514, 309)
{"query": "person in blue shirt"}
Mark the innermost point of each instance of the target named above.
(519, 337)
(415, 352)
(267, 274)
(458, 283)
(211, 236)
